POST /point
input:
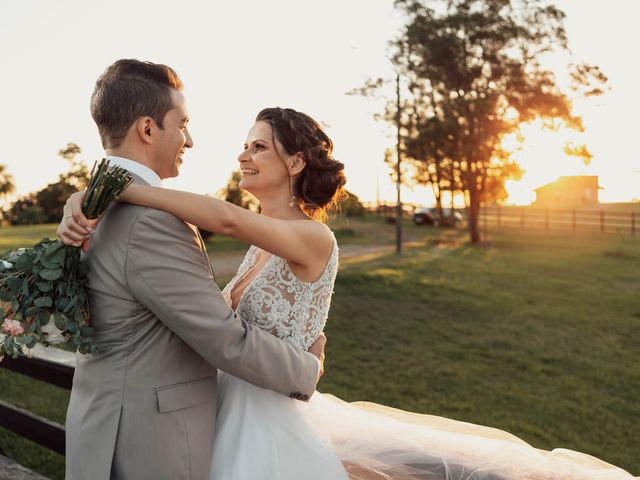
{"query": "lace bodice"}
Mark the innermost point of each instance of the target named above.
(278, 302)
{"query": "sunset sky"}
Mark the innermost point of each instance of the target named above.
(237, 57)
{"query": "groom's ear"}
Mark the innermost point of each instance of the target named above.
(145, 127)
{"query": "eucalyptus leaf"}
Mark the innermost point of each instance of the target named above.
(6, 296)
(43, 317)
(14, 256)
(60, 321)
(53, 248)
(24, 261)
(22, 339)
(86, 331)
(47, 264)
(14, 283)
(44, 287)
(51, 274)
(70, 305)
(43, 302)
(60, 257)
(71, 326)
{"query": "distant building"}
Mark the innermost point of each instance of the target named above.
(569, 192)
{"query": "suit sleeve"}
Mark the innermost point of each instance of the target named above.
(167, 273)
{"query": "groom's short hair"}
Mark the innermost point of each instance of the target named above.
(128, 90)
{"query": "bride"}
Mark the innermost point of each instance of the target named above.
(284, 285)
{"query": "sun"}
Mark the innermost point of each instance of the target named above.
(544, 156)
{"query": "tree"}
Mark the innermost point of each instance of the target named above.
(350, 205)
(78, 174)
(7, 183)
(7, 187)
(26, 211)
(474, 70)
(234, 194)
(52, 198)
(46, 205)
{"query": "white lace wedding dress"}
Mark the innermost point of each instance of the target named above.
(262, 435)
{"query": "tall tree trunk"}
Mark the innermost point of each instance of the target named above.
(435, 188)
(438, 183)
(474, 215)
(453, 185)
(471, 177)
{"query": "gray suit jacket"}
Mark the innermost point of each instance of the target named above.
(144, 406)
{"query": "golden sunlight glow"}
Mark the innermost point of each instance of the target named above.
(225, 92)
(541, 154)
(546, 155)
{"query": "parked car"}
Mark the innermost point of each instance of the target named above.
(429, 216)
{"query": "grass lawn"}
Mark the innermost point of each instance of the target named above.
(24, 235)
(535, 334)
(27, 235)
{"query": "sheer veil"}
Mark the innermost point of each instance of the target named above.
(376, 442)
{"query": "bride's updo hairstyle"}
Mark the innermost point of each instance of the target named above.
(319, 187)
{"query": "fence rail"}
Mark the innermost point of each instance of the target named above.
(603, 221)
(49, 365)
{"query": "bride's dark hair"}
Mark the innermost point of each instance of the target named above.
(319, 187)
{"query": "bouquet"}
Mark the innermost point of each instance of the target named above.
(42, 288)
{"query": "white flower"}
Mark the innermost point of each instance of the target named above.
(6, 265)
(54, 334)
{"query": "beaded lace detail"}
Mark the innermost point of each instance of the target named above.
(280, 303)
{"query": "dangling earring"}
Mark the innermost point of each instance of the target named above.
(292, 198)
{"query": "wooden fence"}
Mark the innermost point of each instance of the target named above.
(49, 365)
(603, 221)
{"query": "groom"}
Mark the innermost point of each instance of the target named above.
(144, 407)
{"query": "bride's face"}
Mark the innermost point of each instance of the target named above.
(263, 162)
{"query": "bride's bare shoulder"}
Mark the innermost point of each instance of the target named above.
(319, 231)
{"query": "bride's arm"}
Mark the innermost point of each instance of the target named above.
(298, 241)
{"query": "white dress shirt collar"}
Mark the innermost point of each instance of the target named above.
(138, 169)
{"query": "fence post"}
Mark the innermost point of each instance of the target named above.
(486, 214)
(573, 220)
(546, 219)
(633, 223)
(601, 221)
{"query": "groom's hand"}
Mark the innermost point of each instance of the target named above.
(318, 350)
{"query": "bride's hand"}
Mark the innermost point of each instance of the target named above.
(76, 229)
(317, 349)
